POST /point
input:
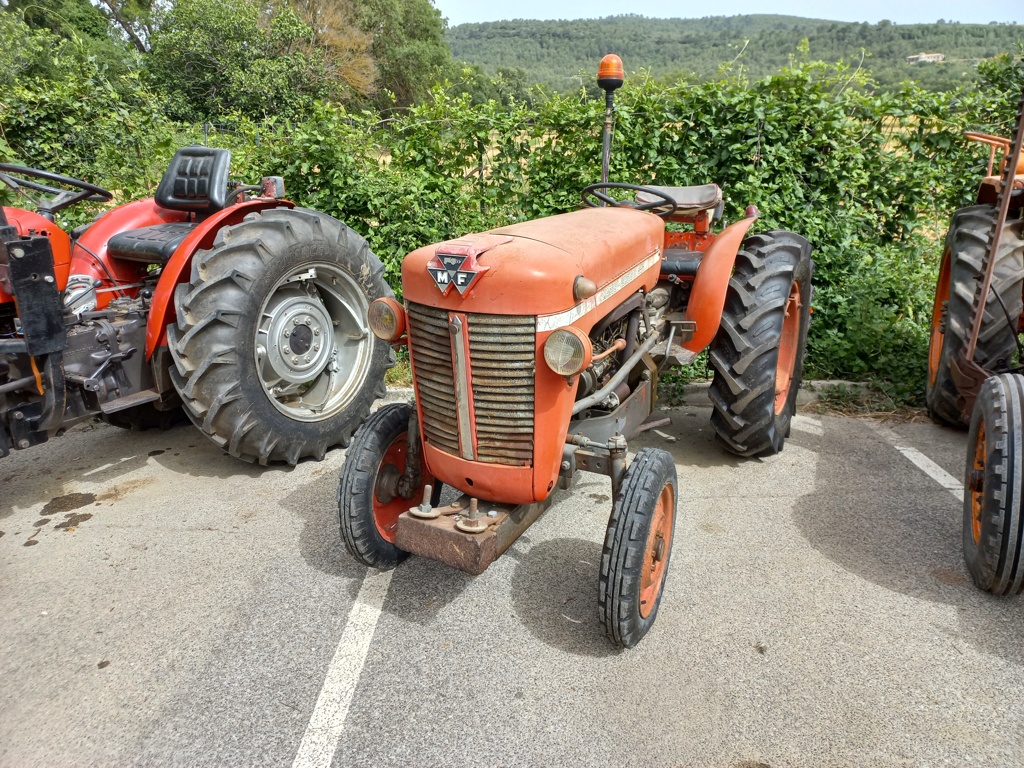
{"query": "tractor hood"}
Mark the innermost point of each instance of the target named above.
(531, 268)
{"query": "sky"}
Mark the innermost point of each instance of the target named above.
(872, 11)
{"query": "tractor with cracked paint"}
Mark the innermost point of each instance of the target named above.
(536, 350)
(975, 362)
(214, 299)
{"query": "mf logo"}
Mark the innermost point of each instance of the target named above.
(461, 271)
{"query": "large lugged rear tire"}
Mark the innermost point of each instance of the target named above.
(966, 243)
(758, 354)
(273, 357)
(993, 494)
(637, 548)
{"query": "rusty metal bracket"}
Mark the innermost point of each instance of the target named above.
(441, 539)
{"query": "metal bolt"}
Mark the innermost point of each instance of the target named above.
(286, 351)
(308, 358)
(18, 415)
(316, 331)
(492, 513)
(428, 491)
(308, 321)
(287, 334)
(17, 252)
(565, 466)
(474, 510)
(48, 278)
(316, 348)
(295, 321)
(295, 360)
(23, 444)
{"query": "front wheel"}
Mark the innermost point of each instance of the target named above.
(273, 358)
(637, 548)
(993, 495)
(369, 503)
(758, 353)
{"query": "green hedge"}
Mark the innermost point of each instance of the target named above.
(869, 178)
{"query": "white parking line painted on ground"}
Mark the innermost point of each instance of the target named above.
(922, 462)
(326, 724)
(933, 470)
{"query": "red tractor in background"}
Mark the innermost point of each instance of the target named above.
(536, 350)
(975, 358)
(213, 296)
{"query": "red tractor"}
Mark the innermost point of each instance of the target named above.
(214, 295)
(975, 358)
(536, 350)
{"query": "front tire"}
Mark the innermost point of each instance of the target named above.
(966, 243)
(758, 353)
(273, 358)
(993, 495)
(637, 548)
(368, 504)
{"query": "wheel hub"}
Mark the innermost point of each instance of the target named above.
(297, 334)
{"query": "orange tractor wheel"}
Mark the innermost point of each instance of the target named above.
(637, 547)
(369, 502)
(758, 354)
(993, 494)
(961, 267)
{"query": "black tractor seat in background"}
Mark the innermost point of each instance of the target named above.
(150, 245)
(196, 181)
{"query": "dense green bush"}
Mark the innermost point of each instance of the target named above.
(870, 178)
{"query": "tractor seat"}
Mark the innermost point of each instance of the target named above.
(150, 245)
(196, 182)
(690, 200)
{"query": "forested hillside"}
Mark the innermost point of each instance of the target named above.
(555, 52)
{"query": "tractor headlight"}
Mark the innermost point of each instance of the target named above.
(387, 319)
(568, 351)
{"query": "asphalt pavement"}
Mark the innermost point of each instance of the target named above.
(165, 604)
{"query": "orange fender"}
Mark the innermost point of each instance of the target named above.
(179, 267)
(707, 298)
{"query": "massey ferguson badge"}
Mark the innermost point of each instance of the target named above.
(448, 270)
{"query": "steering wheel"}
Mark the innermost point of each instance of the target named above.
(60, 198)
(664, 206)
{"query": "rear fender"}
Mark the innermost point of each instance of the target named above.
(179, 267)
(707, 298)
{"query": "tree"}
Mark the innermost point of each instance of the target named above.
(211, 58)
(408, 45)
(345, 46)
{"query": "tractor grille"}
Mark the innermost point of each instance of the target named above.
(502, 360)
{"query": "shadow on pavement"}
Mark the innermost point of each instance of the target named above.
(866, 517)
(554, 593)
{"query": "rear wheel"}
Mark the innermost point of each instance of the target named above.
(959, 272)
(993, 496)
(369, 503)
(637, 548)
(273, 357)
(758, 354)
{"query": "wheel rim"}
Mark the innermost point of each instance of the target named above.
(313, 345)
(976, 482)
(937, 335)
(387, 506)
(788, 345)
(656, 552)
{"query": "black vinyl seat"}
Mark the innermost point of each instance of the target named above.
(196, 181)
